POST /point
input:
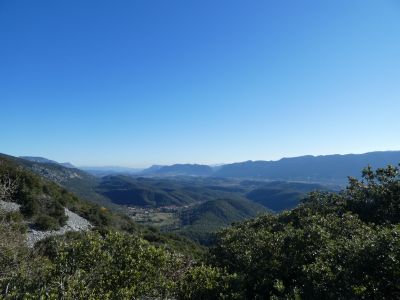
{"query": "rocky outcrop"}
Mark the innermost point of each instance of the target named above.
(9, 206)
(74, 223)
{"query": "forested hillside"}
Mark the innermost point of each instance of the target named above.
(168, 203)
(42, 204)
(333, 246)
(74, 180)
(181, 191)
(278, 196)
(202, 221)
(113, 190)
(156, 192)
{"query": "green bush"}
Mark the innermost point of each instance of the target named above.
(116, 266)
(45, 222)
(206, 282)
(18, 264)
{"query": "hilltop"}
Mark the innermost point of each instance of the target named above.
(202, 221)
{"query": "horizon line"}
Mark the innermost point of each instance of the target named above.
(196, 163)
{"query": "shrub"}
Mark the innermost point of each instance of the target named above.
(206, 282)
(114, 266)
(45, 222)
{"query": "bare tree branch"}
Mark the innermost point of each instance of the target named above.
(8, 186)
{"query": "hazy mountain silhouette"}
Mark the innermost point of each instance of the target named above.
(180, 169)
(327, 168)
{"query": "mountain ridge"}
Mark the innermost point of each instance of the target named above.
(180, 169)
(323, 168)
(326, 169)
(334, 168)
(43, 160)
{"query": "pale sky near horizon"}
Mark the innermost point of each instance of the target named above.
(135, 83)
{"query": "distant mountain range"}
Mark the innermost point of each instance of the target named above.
(155, 170)
(180, 169)
(333, 169)
(110, 170)
(326, 169)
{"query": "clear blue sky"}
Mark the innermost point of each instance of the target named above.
(140, 82)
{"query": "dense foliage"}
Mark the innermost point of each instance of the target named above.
(333, 246)
(74, 180)
(113, 266)
(43, 202)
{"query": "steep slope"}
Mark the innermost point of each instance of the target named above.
(77, 181)
(328, 169)
(43, 202)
